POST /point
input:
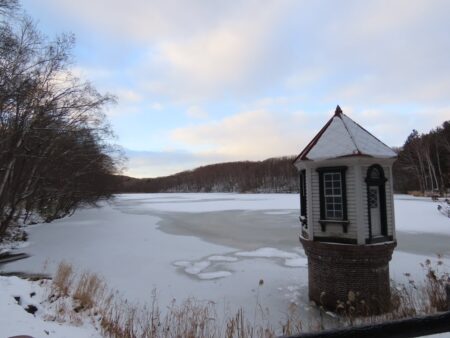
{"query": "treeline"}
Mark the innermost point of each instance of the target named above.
(53, 150)
(271, 175)
(423, 163)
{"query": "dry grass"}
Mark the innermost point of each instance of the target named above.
(238, 326)
(415, 193)
(63, 279)
(118, 318)
(427, 297)
(407, 299)
(192, 318)
(293, 323)
(89, 290)
(436, 280)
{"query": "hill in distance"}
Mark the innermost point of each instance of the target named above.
(271, 175)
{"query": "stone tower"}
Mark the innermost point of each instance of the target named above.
(347, 213)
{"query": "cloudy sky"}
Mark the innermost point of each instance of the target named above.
(209, 81)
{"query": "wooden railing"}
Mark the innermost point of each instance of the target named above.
(411, 327)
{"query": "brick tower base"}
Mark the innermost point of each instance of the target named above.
(336, 269)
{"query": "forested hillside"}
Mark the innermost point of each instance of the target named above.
(424, 162)
(423, 165)
(271, 175)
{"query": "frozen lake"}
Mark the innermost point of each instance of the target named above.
(214, 247)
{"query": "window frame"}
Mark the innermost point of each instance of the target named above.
(324, 220)
(303, 198)
(380, 182)
(303, 204)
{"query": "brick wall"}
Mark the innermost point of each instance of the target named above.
(336, 269)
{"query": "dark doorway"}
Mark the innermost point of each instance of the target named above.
(376, 203)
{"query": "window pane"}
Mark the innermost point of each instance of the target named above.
(375, 174)
(332, 191)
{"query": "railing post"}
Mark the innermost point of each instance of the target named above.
(447, 290)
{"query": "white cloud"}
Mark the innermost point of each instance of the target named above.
(271, 102)
(196, 112)
(150, 21)
(220, 57)
(91, 73)
(128, 95)
(393, 127)
(371, 52)
(361, 51)
(252, 135)
(163, 163)
(260, 134)
(379, 57)
(194, 48)
(157, 106)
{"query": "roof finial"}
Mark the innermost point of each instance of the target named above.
(338, 111)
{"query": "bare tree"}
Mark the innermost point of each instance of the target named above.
(8, 6)
(424, 161)
(53, 150)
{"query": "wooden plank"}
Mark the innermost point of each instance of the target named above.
(447, 291)
(12, 257)
(405, 328)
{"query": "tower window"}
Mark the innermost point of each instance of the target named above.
(332, 185)
(333, 196)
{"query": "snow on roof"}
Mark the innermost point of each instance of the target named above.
(341, 136)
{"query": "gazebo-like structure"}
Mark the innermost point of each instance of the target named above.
(347, 213)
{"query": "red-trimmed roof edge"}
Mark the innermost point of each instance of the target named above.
(368, 132)
(312, 143)
(338, 113)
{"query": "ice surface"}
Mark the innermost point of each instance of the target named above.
(420, 215)
(214, 275)
(297, 262)
(291, 259)
(206, 202)
(182, 263)
(196, 268)
(277, 212)
(267, 253)
(222, 258)
(226, 242)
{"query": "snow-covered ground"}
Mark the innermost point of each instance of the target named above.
(238, 250)
(16, 295)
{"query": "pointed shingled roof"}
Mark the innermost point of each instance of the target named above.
(340, 137)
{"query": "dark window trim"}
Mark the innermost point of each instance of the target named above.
(323, 220)
(381, 183)
(335, 240)
(379, 239)
(303, 200)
